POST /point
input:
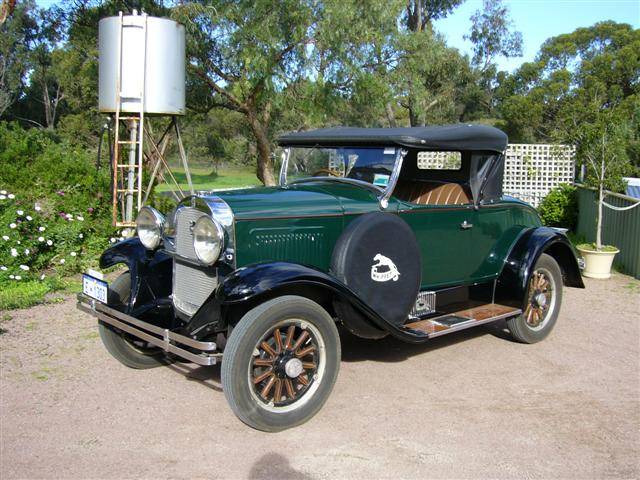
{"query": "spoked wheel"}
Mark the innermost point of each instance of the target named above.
(280, 363)
(542, 304)
(285, 368)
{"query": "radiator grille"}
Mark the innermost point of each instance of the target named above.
(192, 285)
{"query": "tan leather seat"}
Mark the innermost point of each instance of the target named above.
(432, 193)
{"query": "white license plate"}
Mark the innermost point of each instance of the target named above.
(95, 288)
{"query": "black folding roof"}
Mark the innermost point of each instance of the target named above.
(460, 137)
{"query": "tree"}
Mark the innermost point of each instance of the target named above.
(420, 14)
(16, 35)
(602, 145)
(492, 37)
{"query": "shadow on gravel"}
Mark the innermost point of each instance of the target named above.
(274, 465)
(207, 376)
(389, 349)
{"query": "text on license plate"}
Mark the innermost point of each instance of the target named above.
(95, 288)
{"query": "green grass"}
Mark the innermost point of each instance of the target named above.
(205, 179)
(27, 294)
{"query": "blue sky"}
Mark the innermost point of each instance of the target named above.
(539, 20)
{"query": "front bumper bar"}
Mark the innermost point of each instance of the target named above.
(202, 353)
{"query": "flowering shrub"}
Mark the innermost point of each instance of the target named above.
(54, 219)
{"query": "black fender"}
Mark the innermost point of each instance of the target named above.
(511, 287)
(151, 272)
(248, 286)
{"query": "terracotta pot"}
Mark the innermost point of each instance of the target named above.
(597, 264)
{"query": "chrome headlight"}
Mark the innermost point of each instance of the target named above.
(149, 225)
(208, 240)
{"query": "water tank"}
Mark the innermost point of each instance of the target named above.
(156, 61)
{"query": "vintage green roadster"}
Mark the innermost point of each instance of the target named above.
(402, 232)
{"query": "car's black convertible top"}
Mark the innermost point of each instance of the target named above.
(458, 137)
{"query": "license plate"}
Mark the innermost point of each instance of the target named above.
(95, 288)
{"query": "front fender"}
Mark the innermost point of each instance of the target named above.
(150, 271)
(255, 283)
(511, 287)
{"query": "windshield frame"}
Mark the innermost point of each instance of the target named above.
(383, 194)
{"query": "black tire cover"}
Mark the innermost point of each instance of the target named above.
(378, 257)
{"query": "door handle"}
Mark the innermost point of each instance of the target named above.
(466, 225)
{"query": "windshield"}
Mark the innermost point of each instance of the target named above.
(372, 165)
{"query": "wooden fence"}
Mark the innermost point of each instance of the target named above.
(619, 228)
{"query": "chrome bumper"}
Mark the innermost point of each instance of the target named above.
(202, 353)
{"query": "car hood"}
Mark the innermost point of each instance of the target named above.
(319, 198)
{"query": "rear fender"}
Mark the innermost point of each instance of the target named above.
(151, 271)
(249, 286)
(511, 287)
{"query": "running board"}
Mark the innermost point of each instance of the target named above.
(456, 321)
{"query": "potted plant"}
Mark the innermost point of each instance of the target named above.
(601, 145)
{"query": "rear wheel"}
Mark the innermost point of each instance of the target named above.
(280, 363)
(542, 304)
(128, 350)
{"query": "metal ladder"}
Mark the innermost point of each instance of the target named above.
(127, 177)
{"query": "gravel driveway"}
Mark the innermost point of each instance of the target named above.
(472, 404)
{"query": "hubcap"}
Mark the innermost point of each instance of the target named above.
(285, 364)
(541, 299)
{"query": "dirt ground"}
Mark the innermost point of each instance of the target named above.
(469, 405)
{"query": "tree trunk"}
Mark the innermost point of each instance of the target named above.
(391, 116)
(600, 200)
(264, 169)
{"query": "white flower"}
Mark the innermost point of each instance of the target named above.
(81, 236)
(26, 251)
(20, 212)
(112, 240)
(3, 192)
(41, 239)
(18, 277)
(69, 216)
(41, 229)
(12, 276)
(62, 260)
(12, 225)
(2, 197)
(29, 218)
(3, 268)
(80, 217)
(42, 276)
(24, 267)
(14, 252)
(37, 207)
(19, 242)
(5, 237)
(49, 242)
(73, 254)
(11, 196)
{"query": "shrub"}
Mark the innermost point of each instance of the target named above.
(53, 217)
(560, 207)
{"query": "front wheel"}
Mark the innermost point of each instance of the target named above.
(280, 363)
(128, 350)
(542, 304)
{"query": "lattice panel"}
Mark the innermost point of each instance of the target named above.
(531, 170)
(439, 160)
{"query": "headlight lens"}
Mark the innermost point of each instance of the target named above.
(208, 239)
(149, 225)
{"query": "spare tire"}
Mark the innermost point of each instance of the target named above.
(378, 257)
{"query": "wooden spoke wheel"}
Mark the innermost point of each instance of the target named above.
(540, 299)
(280, 363)
(541, 303)
(285, 364)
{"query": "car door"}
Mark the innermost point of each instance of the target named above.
(444, 234)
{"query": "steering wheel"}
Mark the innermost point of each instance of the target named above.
(327, 171)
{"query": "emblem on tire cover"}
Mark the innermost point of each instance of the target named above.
(384, 270)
